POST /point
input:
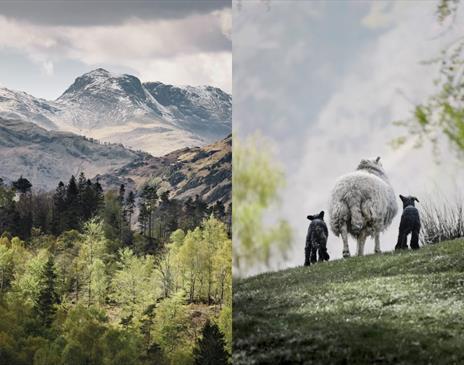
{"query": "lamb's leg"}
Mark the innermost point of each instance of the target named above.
(415, 240)
(377, 243)
(361, 241)
(307, 255)
(344, 233)
(313, 254)
(402, 238)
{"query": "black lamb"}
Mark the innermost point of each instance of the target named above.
(410, 223)
(316, 239)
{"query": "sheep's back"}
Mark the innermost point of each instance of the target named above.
(354, 189)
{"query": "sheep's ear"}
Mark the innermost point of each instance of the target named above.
(377, 159)
(402, 197)
(417, 200)
(310, 217)
(321, 215)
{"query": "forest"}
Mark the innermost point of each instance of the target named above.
(116, 277)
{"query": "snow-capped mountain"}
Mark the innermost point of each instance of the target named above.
(151, 116)
(46, 157)
(19, 105)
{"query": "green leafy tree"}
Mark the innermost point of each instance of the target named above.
(6, 264)
(256, 181)
(172, 329)
(225, 324)
(210, 348)
(133, 286)
(90, 267)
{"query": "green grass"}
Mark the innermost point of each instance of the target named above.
(393, 308)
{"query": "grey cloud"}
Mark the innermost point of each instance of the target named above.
(87, 12)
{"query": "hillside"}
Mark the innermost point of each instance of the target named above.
(394, 308)
(46, 157)
(204, 171)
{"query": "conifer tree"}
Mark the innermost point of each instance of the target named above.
(59, 209)
(47, 297)
(23, 207)
(89, 202)
(72, 205)
(22, 185)
(130, 206)
(99, 196)
(210, 348)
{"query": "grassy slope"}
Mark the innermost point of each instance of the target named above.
(394, 308)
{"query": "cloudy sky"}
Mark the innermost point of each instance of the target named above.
(324, 81)
(45, 45)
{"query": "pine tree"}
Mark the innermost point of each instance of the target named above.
(130, 206)
(72, 205)
(24, 207)
(210, 348)
(89, 201)
(59, 209)
(219, 211)
(122, 193)
(47, 298)
(22, 185)
(148, 202)
(81, 185)
(99, 196)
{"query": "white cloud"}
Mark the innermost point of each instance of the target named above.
(385, 13)
(148, 47)
(225, 17)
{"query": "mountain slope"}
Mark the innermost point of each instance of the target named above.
(206, 171)
(45, 157)
(19, 105)
(117, 108)
(394, 308)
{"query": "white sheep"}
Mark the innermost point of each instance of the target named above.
(363, 204)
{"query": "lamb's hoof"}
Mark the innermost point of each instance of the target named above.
(346, 254)
(414, 247)
(306, 264)
(378, 251)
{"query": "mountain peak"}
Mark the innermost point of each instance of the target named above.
(98, 71)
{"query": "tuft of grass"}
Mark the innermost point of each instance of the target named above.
(392, 308)
(442, 221)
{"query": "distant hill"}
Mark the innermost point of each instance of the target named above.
(393, 308)
(204, 171)
(45, 157)
(151, 116)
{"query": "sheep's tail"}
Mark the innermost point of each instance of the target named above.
(338, 213)
(357, 219)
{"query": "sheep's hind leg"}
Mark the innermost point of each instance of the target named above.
(377, 243)
(346, 248)
(361, 241)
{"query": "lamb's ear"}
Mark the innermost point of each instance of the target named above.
(310, 217)
(402, 197)
(321, 215)
(377, 159)
(417, 200)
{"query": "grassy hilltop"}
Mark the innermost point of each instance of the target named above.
(394, 308)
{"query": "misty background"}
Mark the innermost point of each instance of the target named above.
(324, 81)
